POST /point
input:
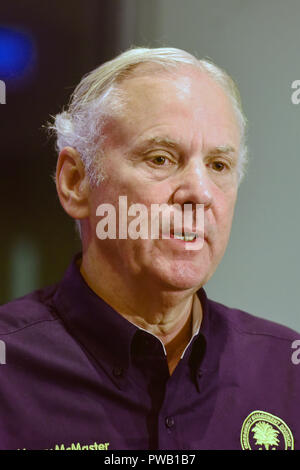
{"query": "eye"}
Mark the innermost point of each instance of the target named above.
(218, 166)
(159, 160)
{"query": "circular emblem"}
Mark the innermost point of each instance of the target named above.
(264, 431)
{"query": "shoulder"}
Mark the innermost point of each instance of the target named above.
(245, 323)
(262, 349)
(33, 308)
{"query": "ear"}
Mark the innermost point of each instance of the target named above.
(72, 183)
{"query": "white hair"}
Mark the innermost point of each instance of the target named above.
(98, 96)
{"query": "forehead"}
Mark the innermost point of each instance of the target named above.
(185, 83)
(172, 99)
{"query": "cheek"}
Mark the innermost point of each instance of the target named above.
(227, 224)
(224, 212)
(148, 193)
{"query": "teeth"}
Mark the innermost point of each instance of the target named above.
(187, 237)
(178, 237)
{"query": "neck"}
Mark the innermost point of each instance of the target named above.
(162, 312)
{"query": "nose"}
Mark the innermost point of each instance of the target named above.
(194, 185)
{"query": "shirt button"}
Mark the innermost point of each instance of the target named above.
(169, 422)
(118, 371)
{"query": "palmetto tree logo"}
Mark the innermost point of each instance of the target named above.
(265, 434)
(262, 430)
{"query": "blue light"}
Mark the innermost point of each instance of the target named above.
(16, 52)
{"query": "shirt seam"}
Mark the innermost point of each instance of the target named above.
(244, 332)
(28, 326)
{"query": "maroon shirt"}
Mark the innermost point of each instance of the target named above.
(79, 375)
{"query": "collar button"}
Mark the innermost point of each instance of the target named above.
(118, 371)
(170, 421)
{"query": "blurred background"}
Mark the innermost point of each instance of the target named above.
(45, 49)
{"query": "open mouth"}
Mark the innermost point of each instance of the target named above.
(188, 240)
(186, 237)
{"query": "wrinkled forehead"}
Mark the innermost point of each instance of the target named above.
(148, 84)
(152, 91)
(182, 101)
(147, 74)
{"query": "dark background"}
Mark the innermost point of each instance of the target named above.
(69, 38)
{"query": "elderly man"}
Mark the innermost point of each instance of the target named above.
(127, 352)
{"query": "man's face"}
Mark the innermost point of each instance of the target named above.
(177, 141)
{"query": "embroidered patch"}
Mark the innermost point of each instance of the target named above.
(263, 431)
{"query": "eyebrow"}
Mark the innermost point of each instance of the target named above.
(166, 141)
(222, 149)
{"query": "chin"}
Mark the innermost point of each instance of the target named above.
(184, 277)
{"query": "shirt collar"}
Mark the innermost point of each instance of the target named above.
(104, 333)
